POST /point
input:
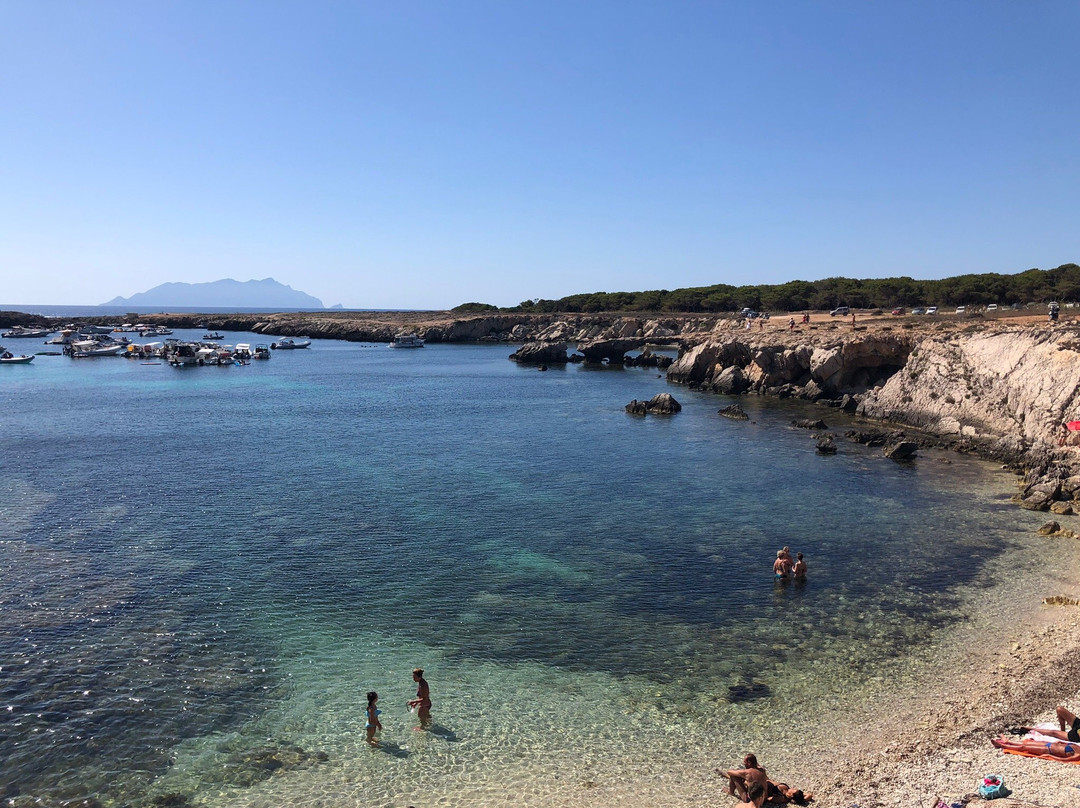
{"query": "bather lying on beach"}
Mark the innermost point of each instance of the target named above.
(782, 794)
(1065, 719)
(1062, 750)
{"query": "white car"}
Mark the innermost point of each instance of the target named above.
(932, 310)
(992, 307)
(959, 309)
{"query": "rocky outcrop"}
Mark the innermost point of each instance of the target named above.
(613, 351)
(826, 444)
(660, 404)
(900, 450)
(541, 353)
(734, 412)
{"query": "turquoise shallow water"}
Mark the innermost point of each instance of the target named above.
(203, 563)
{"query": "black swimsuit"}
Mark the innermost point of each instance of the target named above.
(1074, 733)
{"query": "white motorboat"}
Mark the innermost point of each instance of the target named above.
(262, 351)
(213, 335)
(87, 348)
(407, 341)
(290, 343)
(183, 354)
(19, 332)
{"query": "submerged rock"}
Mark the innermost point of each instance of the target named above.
(809, 423)
(748, 691)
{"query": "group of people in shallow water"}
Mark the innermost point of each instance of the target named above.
(752, 785)
(422, 705)
(786, 568)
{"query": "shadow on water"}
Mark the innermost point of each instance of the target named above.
(392, 749)
(445, 733)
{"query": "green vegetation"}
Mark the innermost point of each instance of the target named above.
(473, 308)
(1032, 286)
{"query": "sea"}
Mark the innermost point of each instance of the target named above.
(206, 569)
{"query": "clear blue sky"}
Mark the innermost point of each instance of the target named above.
(424, 154)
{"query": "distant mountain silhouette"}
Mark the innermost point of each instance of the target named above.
(264, 294)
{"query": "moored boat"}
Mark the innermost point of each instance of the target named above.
(291, 343)
(407, 341)
(19, 332)
(261, 351)
(8, 358)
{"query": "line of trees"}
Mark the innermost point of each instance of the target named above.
(1032, 286)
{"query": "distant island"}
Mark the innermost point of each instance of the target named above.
(264, 294)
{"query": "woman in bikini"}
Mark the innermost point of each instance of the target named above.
(1059, 749)
(422, 702)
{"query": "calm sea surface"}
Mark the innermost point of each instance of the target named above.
(204, 570)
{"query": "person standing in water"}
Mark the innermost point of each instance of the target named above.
(422, 702)
(373, 722)
(799, 570)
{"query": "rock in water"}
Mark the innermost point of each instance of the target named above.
(826, 445)
(809, 423)
(901, 450)
(660, 404)
(734, 412)
(541, 353)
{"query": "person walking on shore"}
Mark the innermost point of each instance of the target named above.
(422, 702)
(373, 722)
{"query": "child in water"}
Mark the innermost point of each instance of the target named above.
(799, 570)
(373, 722)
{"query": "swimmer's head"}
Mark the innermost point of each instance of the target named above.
(418, 673)
(779, 553)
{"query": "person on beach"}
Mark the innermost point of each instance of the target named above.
(1058, 749)
(422, 702)
(1065, 719)
(373, 722)
(781, 567)
(791, 324)
(798, 570)
(782, 794)
(750, 783)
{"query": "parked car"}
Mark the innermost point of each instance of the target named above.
(932, 310)
(992, 307)
(898, 311)
(840, 311)
(918, 310)
(959, 309)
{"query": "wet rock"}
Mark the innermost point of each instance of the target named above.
(253, 766)
(1051, 488)
(809, 423)
(552, 353)
(849, 403)
(1038, 501)
(1061, 508)
(869, 437)
(826, 445)
(660, 404)
(1060, 600)
(901, 450)
(734, 412)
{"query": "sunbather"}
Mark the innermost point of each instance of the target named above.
(1065, 719)
(1058, 749)
(782, 794)
(749, 782)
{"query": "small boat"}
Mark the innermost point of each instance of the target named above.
(8, 358)
(407, 341)
(87, 348)
(290, 344)
(213, 335)
(26, 333)
(262, 351)
(183, 354)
